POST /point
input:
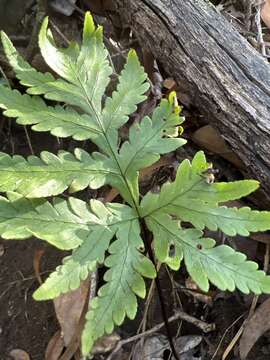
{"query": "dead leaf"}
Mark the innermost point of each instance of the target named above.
(2, 249)
(55, 347)
(265, 13)
(169, 84)
(193, 290)
(105, 344)
(210, 139)
(257, 325)
(155, 346)
(68, 308)
(18, 354)
(261, 237)
(36, 263)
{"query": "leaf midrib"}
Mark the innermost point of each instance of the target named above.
(91, 105)
(219, 264)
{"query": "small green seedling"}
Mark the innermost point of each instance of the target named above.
(111, 234)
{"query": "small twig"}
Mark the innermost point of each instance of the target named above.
(251, 311)
(179, 315)
(4, 74)
(8, 83)
(93, 286)
(233, 342)
(265, 268)
(259, 28)
(59, 32)
(224, 335)
(28, 140)
(142, 325)
(41, 12)
(147, 242)
(75, 7)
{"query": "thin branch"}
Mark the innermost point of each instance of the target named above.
(179, 315)
(147, 242)
(41, 12)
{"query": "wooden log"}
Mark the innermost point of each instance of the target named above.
(224, 77)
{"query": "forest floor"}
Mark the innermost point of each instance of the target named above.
(29, 326)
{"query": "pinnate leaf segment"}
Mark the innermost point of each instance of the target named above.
(110, 234)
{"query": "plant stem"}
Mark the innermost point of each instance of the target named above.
(41, 12)
(147, 243)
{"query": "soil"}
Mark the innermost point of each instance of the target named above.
(29, 325)
(25, 323)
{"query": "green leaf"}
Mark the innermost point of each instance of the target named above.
(61, 122)
(116, 299)
(76, 268)
(64, 224)
(147, 141)
(51, 175)
(130, 92)
(27, 75)
(191, 198)
(110, 234)
(89, 74)
(84, 82)
(223, 266)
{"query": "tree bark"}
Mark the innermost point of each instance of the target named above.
(224, 77)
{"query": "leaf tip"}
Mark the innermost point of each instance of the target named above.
(132, 56)
(43, 30)
(174, 102)
(89, 26)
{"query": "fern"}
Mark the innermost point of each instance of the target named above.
(111, 234)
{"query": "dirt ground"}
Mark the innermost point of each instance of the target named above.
(24, 323)
(29, 325)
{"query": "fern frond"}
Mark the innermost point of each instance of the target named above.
(192, 199)
(116, 299)
(64, 224)
(61, 122)
(51, 175)
(147, 141)
(90, 75)
(85, 78)
(110, 234)
(27, 75)
(223, 266)
(130, 91)
(76, 267)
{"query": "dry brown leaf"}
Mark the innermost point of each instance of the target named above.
(193, 290)
(265, 13)
(105, 344)
(68, 308)
(55, 347)
(18, 354)
(36, 263)
(261, 237)
(2, 249)
(210, 139)
(257, 325)
(169, 84)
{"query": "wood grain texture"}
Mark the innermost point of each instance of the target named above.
(224, 77)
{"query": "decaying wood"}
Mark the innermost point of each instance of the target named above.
(222, 75)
